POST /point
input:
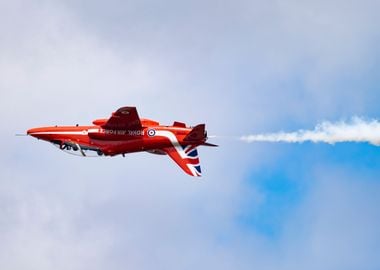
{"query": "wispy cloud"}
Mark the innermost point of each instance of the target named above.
(355, 130)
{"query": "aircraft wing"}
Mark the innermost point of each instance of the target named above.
(186, 157)
(123, 118)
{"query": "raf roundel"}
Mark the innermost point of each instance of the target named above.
(151, 132)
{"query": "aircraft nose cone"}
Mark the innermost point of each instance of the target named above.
(34, 132)
(31, 131)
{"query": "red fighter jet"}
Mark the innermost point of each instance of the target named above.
(124, 132)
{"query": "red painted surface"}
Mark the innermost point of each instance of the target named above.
(124, 132)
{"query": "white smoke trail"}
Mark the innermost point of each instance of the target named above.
(356, 130)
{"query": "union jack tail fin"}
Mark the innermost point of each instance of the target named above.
(186, 157)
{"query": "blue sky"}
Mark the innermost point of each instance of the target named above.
(241, 67)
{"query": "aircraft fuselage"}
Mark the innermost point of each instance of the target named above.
(113, 142)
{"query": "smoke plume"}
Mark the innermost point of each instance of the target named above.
(355, 130)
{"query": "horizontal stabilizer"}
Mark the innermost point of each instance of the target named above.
(210, 144)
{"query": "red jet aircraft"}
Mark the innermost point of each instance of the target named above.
(124, 132)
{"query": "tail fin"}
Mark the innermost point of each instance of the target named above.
(187, 158)
(197, 134)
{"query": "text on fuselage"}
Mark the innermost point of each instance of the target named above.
(137, 132)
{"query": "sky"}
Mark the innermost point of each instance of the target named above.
(241, 67)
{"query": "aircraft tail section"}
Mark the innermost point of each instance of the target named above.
(197, 134)
(186, 157)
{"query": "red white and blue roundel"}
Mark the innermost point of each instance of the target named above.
(151, 132)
